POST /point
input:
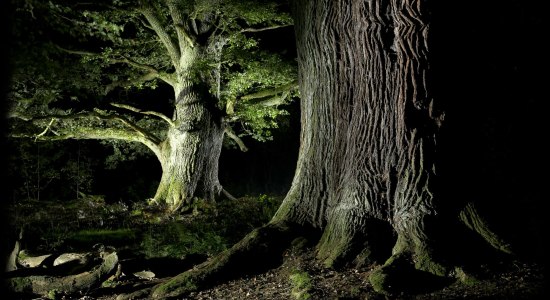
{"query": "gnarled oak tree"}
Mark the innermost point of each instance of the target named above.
(77, 62)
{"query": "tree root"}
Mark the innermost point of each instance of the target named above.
(411, 268)
(258, 251)
(228, 195)
(473, 220)
(44, 285)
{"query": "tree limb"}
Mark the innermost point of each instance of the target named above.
(104, 116)
(235, 138)
(265, 28)
(173, 50)
(148, 112)
(272, 101)
(125, 83)
(83, 131)
(271, 92)
(184, 39)
(45, 130)
(77, 52)
(134, 64)
(163, 76)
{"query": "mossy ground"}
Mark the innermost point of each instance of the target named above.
(510, 281)
(77, 226)
(211, 231)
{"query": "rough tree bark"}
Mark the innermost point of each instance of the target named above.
(190, 154)
(367, 168)
(373, 120)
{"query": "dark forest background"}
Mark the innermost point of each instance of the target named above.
(490, 63)
(489, 72)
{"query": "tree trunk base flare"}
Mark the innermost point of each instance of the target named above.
(410, 269)
(50, 285)
(400, 274)
(342, 244)
(415, 267)
(367, 174)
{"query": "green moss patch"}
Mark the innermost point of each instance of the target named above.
(111, 237)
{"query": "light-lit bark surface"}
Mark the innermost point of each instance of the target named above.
(369, 123)
(191, 152)
(368, 127)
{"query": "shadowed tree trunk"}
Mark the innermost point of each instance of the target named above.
(366, 175)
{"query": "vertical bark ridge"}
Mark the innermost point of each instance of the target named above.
(414, 196)
(307, 199)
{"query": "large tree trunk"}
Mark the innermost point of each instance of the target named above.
(369, 125)
(367, 169)
(191, 151)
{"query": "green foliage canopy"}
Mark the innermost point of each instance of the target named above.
(74, 59)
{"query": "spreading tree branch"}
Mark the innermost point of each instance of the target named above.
(161, 75)
(101, 115)
(235, 138)
(134, 133)
(273, 96)
(131, 82)
(77, 52)
(265, 28)
(45, 130)
(271, 92)
(273, 101)
(152, 71)
(184, 38)
(173, 50)
(148, 112)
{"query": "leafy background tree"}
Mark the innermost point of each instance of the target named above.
(82, 72)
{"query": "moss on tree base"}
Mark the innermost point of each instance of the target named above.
(400, 274)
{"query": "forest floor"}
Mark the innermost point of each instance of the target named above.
(515, 281)
(512, 280)
(299, 275)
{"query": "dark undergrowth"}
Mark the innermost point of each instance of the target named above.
(153, 246)
(49, 227)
